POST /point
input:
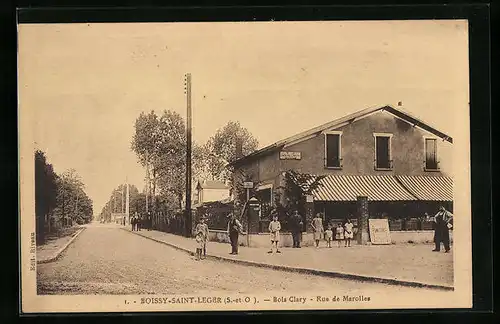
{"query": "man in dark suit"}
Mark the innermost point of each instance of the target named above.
(234, 227)
(442, 223)
(296, 227)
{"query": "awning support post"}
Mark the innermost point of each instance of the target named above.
(362, 236)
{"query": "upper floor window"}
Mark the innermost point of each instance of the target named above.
(383, 155)
(333, 150)
(431, 162)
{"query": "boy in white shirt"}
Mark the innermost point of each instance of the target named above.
(274, 229)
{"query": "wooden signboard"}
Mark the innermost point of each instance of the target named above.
(379, 231)
(290, 155)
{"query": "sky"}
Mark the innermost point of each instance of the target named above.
(85, 84)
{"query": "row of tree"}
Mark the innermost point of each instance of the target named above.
(160, 145)
(60, 200)
(159, 142)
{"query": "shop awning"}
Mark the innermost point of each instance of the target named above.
(349, 187)
(431, 188)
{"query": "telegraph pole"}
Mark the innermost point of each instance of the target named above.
(187, 89)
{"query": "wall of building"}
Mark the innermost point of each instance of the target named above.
(208, 195)
(358, 149)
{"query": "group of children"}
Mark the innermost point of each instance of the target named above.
(342, 233)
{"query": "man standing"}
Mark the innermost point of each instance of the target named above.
(442, 223)
(296, 227)
(234, 227)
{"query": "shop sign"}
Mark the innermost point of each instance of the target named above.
(379, 231)
(290, 155)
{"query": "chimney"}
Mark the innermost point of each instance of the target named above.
(239, 148)
(400, 104)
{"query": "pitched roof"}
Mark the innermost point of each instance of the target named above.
(338, 122)
(211, 184)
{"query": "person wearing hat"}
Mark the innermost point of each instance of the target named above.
(202, 231)
(442, 223)
(234, 227)
(296, 226)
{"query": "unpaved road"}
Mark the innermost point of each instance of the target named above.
(107, 260)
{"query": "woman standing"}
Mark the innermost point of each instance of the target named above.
(317, 226)
(348, 232)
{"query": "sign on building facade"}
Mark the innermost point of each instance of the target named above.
(290, 155)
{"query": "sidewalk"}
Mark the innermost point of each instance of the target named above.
(404, 264)
(53, 248)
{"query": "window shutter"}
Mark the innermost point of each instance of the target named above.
(430, 153)
(333, 150)
(383, 154)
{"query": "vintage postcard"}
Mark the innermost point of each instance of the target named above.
(244, 166)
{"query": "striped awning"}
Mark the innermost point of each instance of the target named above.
(349, 187)
(432, 188)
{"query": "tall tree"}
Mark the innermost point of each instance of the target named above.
(45, 193)
(72, 201)
(160, 144)
(145, 145)
(222, 148)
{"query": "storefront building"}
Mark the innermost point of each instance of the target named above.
(400, 163)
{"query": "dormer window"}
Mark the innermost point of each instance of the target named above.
(383, 154)
(333, 150)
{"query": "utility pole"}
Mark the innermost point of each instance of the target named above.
(123, 203)
(127, 203)
(187, 88)
(147, 182)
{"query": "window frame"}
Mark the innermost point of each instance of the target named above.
(391, 166)
(269, 186)
(339, 133)
(425, 138)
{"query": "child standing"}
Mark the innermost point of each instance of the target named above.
(274, 229)
(202, 229)
(348, 227)
(199, 245)
(329, 236)
(339, 234)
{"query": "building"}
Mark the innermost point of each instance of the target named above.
(400, 163)
(210, 191)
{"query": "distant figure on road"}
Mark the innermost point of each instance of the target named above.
(296, 227)
(443, 223)
(317, 226)
(234, 227)
(149, 221)
(202, 228)
(274, 229)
